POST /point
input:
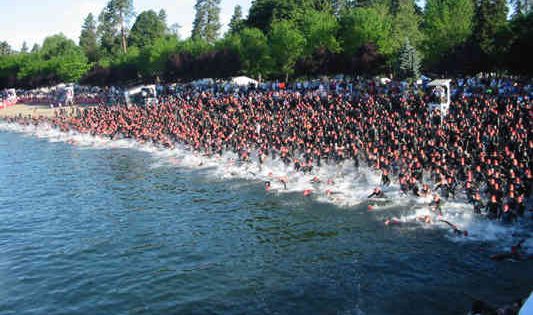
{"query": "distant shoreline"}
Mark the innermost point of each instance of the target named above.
(33, 110)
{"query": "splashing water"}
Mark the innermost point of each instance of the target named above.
(342, 184)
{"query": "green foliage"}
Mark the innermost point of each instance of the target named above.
(364, 25)
(319, 29)
(286, 43)
(194, 47)
(447, 24)
(148, 28)
(237, 22)
(264, 12)
(313, 36)
(254, 52)
(5, 49)
(57, 45)
(154, 57)
(490, 20)
(60, 57)
(406, 24)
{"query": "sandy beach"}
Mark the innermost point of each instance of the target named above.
(33, 110)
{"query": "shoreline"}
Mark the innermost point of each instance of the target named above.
(36, 110)
(347, 192)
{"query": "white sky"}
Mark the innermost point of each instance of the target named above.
(33, 20)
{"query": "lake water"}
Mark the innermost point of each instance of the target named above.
(93, 226)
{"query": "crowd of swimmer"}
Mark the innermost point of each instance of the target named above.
(480, 149)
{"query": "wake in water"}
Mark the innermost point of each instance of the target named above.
(342, 185)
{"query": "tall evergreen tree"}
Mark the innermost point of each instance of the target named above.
(88, 40)
(148, 27)
(24, 49)
(409, 61)
(113, 26)
(175, 30)
(206, 24)
(406, 24)
(35, 49)
(198, 25)
(5, 48)
(163, 16)
(236, 23)
(521, 7)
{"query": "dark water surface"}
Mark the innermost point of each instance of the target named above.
(103, 231)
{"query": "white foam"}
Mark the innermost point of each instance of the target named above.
(350, 187)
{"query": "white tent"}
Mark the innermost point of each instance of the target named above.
(244, 81)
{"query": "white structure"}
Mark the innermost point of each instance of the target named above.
(441, 95)
(244, 81)
(141, 95)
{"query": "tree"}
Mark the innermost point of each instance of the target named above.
(5, 48)
(59, 60)
(154, 58)
(264, 12)
(148, 27)
(489, 21)
(287, 44)
(236, 23)
(35, 48)
(112, 28)
(206, 24)
(447, 24)
(409, 61)
(88, 40)
(406, 24)
(175, 30)
(520, 45)
(340, 6)
(24, 49)
(57, 45)
(255, 52)
(521, 7)
(163, 16)
(320, 30)
(364, 25)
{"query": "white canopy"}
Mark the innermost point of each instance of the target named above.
(440, 82)
(243, 81)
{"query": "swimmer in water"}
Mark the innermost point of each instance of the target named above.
(424, 219)
(377, 193)
(392, 221)
(517, 253)
(456, 230)
(436, 204)
(267, 186)
(284, 181)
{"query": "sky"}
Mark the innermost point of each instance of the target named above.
(33, 20)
